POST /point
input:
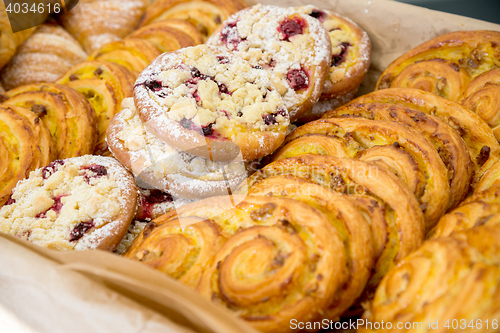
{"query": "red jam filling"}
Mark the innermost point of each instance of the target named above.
(97, 171)
(50, 169)
(153, 85)
(56, 207)
(318, 14)
(10, 201)
(230, 36)
(80, 229)
(297, 79)
(148, 202)
(338, 59)
(292, 26)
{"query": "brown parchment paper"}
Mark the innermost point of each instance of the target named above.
(93, 291)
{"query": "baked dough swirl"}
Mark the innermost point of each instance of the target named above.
(105, 85)
(481, 96)
(393, 146)
(448, 143)
(448, 279)
(392, 211)
(67, 115)
(483, 147)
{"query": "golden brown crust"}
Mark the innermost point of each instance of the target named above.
(9, 41)
(449, 279)
(65, 112)
(474, 51)
(394, 214)
(483, 147)
(164, 36)
(481, 97)
(46, 55)
(448, 143)
(205, 15)
(185, 27)
(390, 145)
(489, 179)
(95, 23)
(105, 85)
(18, 146)
(133, 53)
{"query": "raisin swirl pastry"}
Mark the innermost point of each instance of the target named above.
(46, 55)
(160, 166)
(18, 148)
(489, 179)
(396, 147)
(79, 203)
(350, 223)
(65, 112)
(95, 23)
(483, 147)
(351, 53)
(290, 256)
(448, 143)
(482, 208)
(105, 85)
(294, 47)
(448, 279)
(165, 37)
(205, 15)
(201, 96)
(463, 54)
(396, 221)
(132, 53)
(481, 96)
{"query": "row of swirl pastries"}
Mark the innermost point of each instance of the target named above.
(373, 177)
(75, 99)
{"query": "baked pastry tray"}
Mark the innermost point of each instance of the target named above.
(95, 291)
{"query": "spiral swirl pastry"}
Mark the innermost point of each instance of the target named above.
(349, 222)
(481, 96)
(67, 115)
(115, 20)
(132, 53)
(483, 147)
(451, 278)
(18, 148)
(490, 178)
(285, 261)
(205, 15)
(441, 77)
(165, 37)
(395, 147)
(482, 208)
(181, 248)
(391, 209)
(473, 52)
(185, 27)
(448, 143)
(105, 85)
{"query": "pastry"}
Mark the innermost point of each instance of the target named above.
(18, 148)
(181, 248)
(9, 41)
(484, 149)
(162, 167)
(390, 208)
(482, 208)
(448, 281)
(185, 27)
(67, 115)
(134, 229)
(489, 179)
(165, 37)
(351, 53)
(212, 104)
(205, 15)
(294, 47)
(462, 54)
(105, 85)
(46, 55)
(133, 53)
(481, 96)
(396, 147)
(95, 23)
(447, 141)
(79, 203)
(154, 203)
(350, 223)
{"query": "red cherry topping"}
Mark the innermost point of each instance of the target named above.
(291, 27)
(297, 79)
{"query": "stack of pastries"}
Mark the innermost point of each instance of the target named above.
(184, 157)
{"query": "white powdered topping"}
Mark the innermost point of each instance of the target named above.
(74, 207)
(257, 38)
(208, 87)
